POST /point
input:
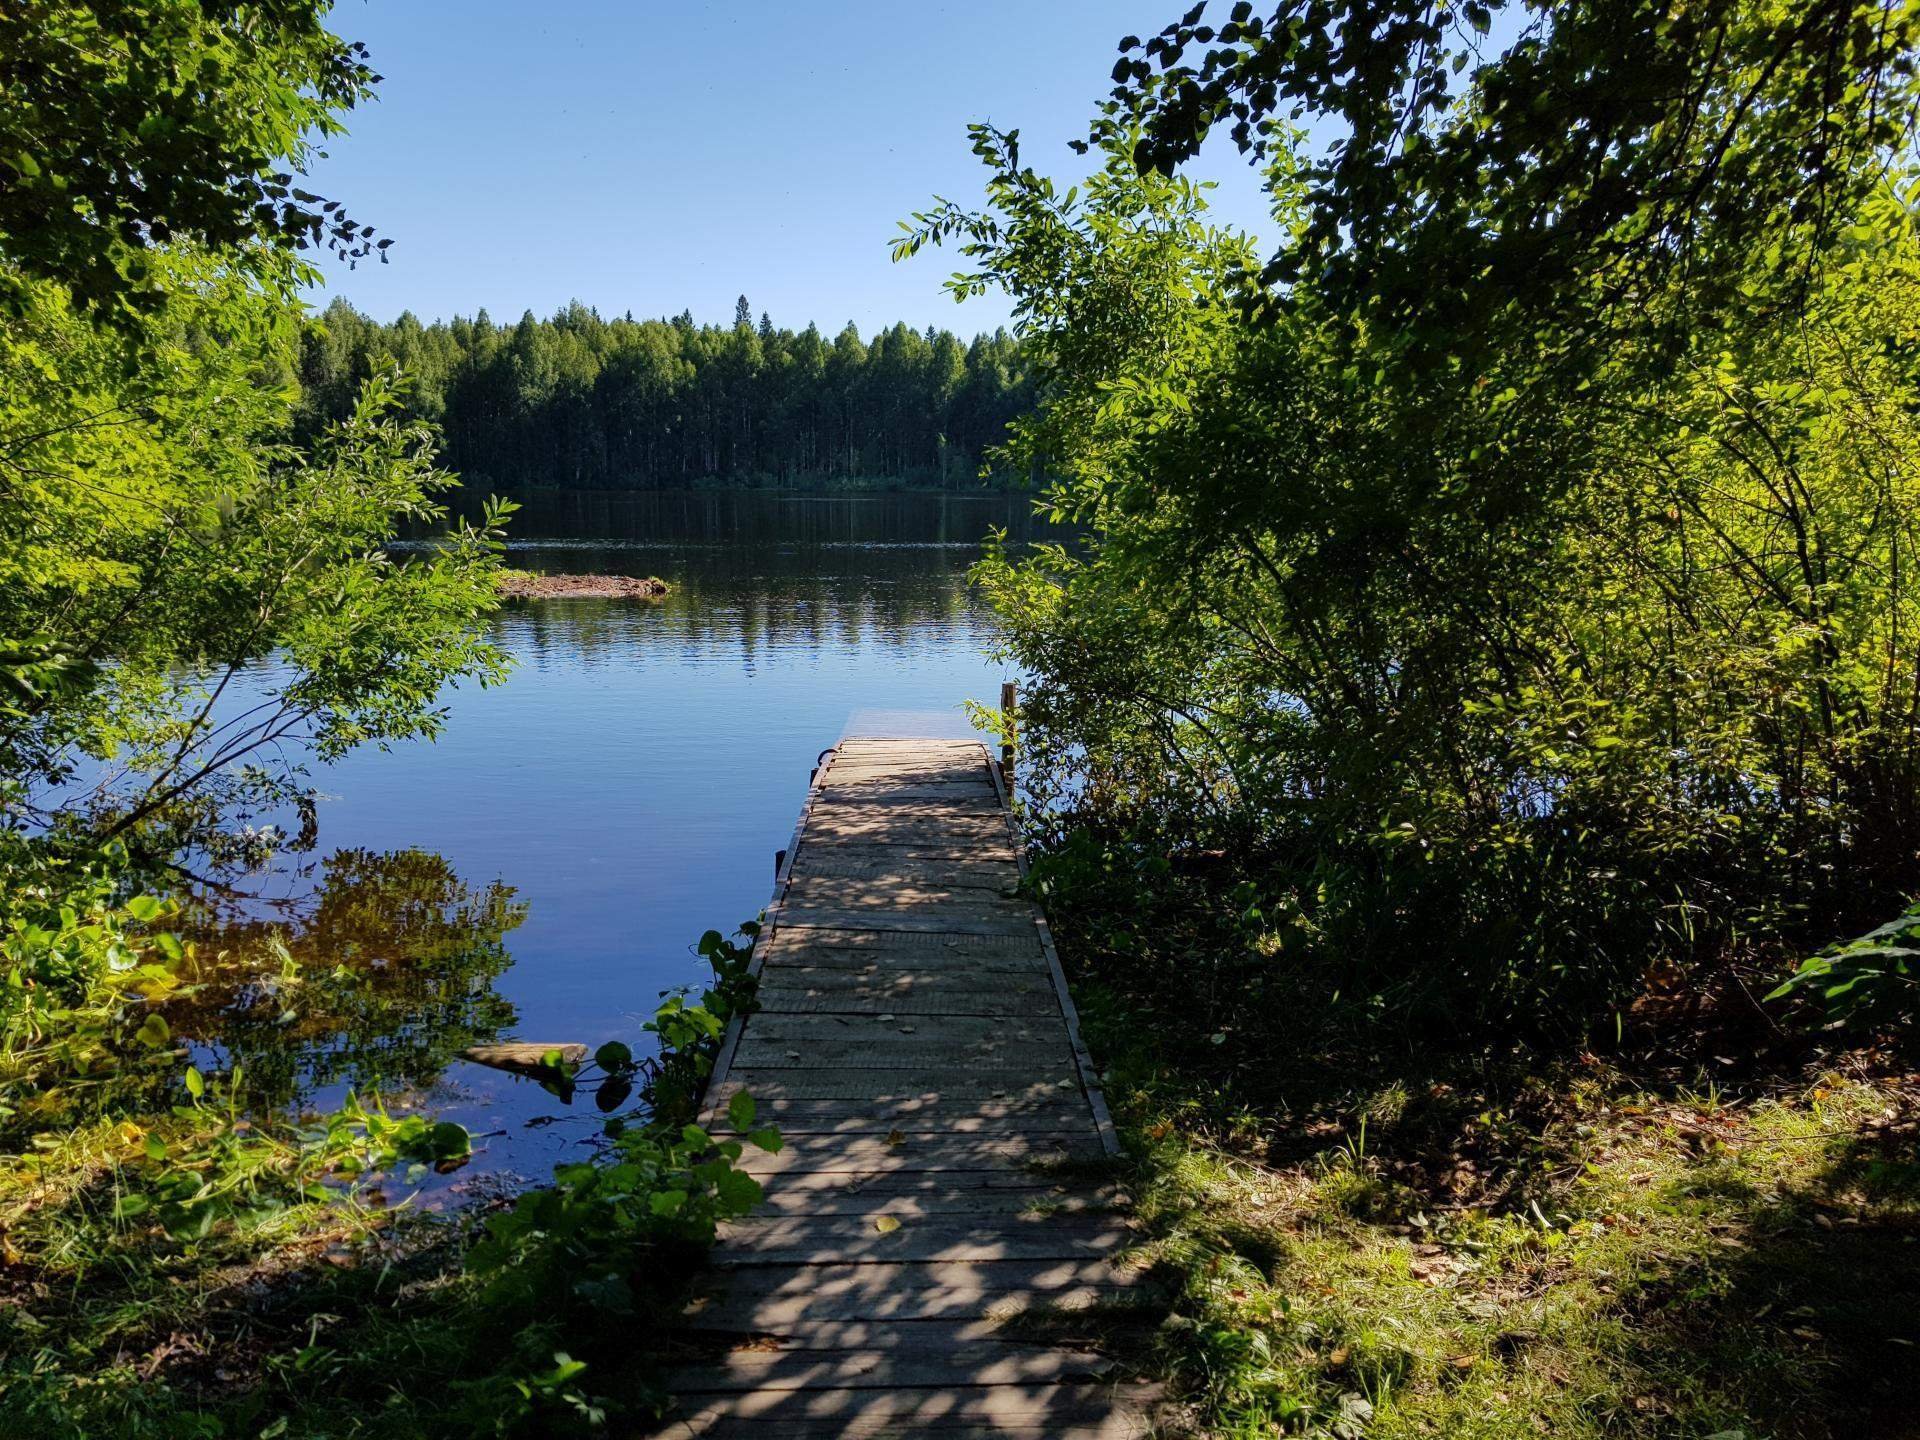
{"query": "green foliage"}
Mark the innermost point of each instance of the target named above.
(157, 537)
(514, 1321)
(578, 401)
(1869, 981)
(1497, 681)
(1512, 182)
(581, 1236)
(127, 128)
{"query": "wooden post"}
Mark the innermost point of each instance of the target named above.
(1007, 699)
(779, 859)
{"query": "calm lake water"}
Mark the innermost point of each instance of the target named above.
(543, 870)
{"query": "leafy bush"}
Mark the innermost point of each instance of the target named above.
(1500, 683)
(1874, 980)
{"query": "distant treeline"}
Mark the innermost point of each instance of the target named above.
(584, 402)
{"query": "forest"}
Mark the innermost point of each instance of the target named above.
(585, 403)
(1468, 752)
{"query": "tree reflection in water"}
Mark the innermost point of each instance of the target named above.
(376, 980)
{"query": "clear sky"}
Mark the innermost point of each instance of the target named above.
(659, 156)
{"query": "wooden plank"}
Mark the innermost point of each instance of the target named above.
(941, 780)
(947, 1197)
(895, 1235)
(838, 817)
(771, 1296)
(882, 968)
(909, 785)
(903, 823)
(1041, 1106)
(987, 912)
(883, 1084)
(873, 1155)
(891, 806)
(997, 854)
(1001, 876)
(914, 787)
(935, 1062)
(942, 922)
(857, 1334)
(816, 944)
(906, 977)
(894, 890)
(1085, 1411)
(980, 1363)
(966, 1030)
(905, 995)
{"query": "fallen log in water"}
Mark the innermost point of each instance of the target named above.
(521, 1057)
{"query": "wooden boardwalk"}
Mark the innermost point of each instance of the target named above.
(927, 1238)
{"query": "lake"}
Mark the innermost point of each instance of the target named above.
(543, 871)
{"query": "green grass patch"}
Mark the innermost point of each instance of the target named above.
(1628, 1262)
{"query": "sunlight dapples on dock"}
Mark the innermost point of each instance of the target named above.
(935, 1238)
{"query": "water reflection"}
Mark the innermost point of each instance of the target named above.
(375, 979)
(631, 782)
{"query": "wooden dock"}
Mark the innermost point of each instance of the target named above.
(936, 1220)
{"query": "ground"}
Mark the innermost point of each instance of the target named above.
(1585, 1256)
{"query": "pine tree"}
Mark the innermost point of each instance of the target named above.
(582, 402)
(742, 314)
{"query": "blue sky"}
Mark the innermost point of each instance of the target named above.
(654, 157)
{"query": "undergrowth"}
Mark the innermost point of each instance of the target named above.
(174, 1266)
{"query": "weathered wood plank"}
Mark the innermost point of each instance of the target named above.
(965, 797)
(942, 922)
(874, 1155)
(818, 945)
(894, 1235)
(911, 1033)
(931, 852)
(932, 796)
(904, 976)
(773, 1296)
(1086, 1411)
(886, 1083)
(897, 891)
(945, 1063)
(975, 874)
(831, 817)
(981, 1363)
(1043, 1107)
(843, 992)
(947, 1197)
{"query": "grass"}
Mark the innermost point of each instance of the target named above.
(1620, 1262)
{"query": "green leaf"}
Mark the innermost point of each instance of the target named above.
(449, 1141)
(667, 1202)
(613, 1093)
(613, 1056)
(153, 1031)
(130, 1205)
(740, 1110)
(196, 1083)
